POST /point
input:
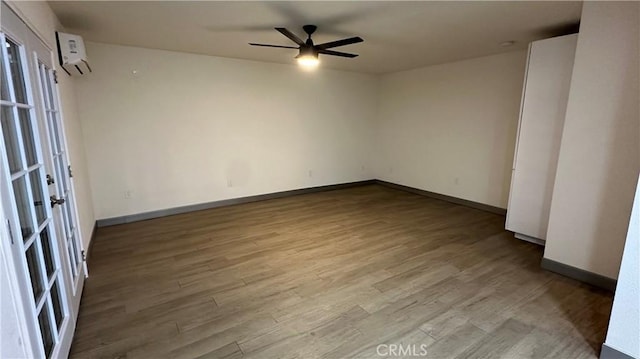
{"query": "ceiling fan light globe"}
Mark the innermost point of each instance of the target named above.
(308, 61)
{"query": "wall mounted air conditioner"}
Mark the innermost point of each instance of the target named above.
(71, 54)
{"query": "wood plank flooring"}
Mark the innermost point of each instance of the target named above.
(331, 275)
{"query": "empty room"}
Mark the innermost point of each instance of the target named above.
(320, 179)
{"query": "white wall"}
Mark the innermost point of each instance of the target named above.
(451, 128)
(186, 129)
(624, 324)
(39, 17)
(599, 155)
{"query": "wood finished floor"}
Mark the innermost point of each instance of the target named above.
(331, 275)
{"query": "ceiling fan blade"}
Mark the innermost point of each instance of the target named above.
(290, 35)
(280, 46)
(343, 42)
(336, 53)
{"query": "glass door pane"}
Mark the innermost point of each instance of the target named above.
(10, 135)
(47, 249)
(46, 330)
(27, 136)
(23, 206)
(15, 65)
(4, 85)
(37, 283)
(39, 202)
(57, 304)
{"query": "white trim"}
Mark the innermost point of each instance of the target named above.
(15, 104)
(25, 19)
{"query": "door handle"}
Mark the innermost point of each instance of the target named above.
(54, 201)
(50, 180)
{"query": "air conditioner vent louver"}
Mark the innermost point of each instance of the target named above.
(71, 54)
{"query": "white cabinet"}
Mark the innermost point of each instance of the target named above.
(542, 111)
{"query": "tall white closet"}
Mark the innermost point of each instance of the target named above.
(542, 111)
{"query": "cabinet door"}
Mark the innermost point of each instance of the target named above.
(544, 103)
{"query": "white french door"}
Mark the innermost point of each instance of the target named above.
(36, 192)
(62, 193)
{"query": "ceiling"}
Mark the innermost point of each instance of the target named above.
(398, 35)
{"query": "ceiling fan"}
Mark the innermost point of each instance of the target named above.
(308, 55)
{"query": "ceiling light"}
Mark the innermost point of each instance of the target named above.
(308, 61)
(507, 43)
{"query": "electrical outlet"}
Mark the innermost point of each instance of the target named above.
(310, 173)
(456, 180)
(127, 194)
(229, 183)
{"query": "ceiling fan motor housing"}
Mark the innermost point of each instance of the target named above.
(307, 51)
